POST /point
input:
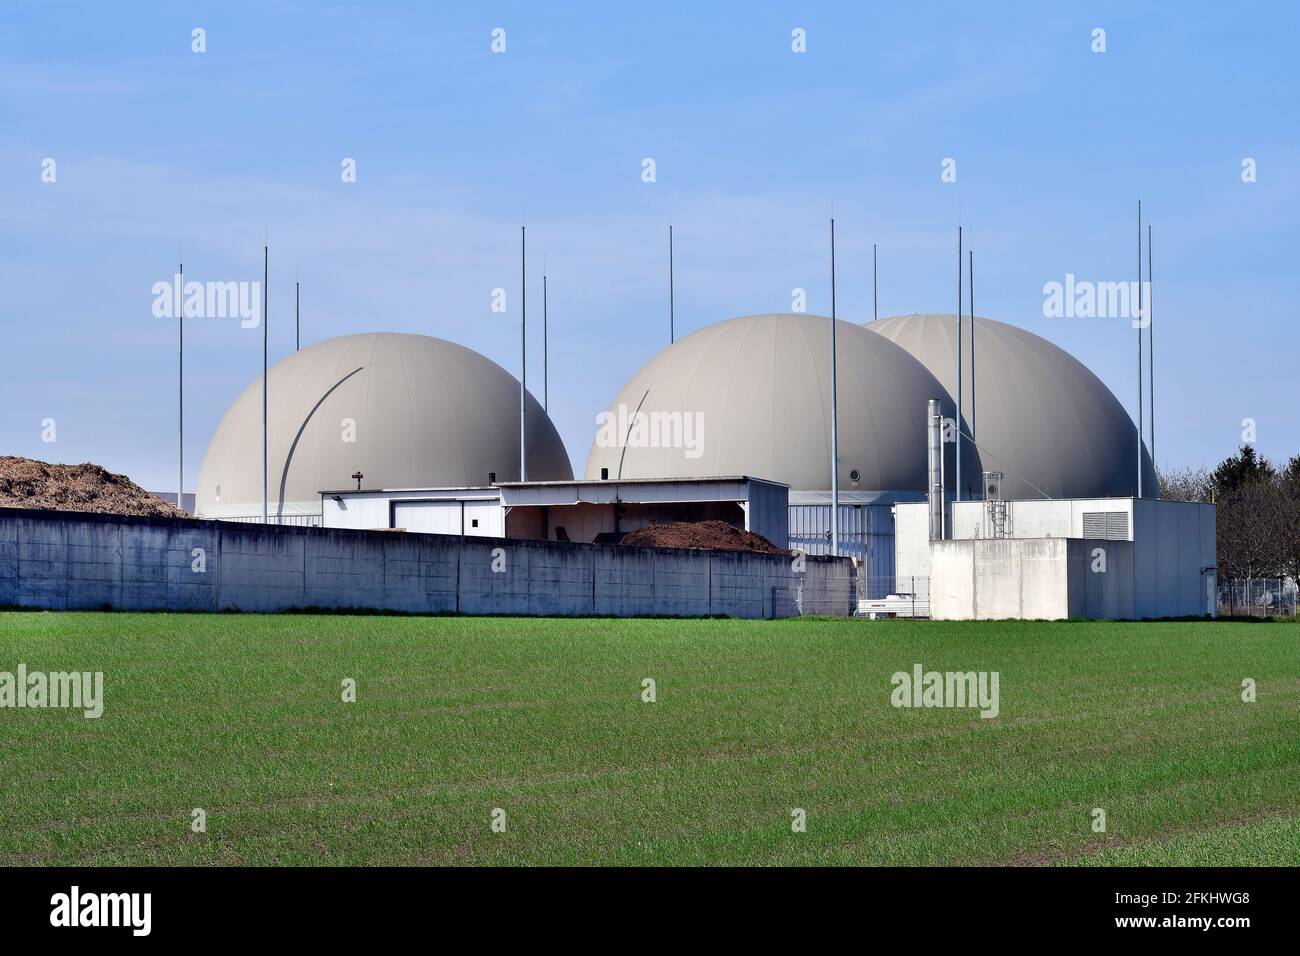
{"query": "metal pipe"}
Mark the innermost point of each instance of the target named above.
(266, 466)
(180, 395)
(971, 254)
(523, 353)
(934, 467)
(957, 478)
(672, 314)
(1151, 343)
(1140, 416)
(835, 430)
(546, 372)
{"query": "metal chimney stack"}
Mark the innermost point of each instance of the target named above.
(934, 434)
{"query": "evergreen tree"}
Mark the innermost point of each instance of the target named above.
(1242, 469)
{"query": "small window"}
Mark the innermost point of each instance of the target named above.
(473, 523)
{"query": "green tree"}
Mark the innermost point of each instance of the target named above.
(1290, 479)
(1242, 469)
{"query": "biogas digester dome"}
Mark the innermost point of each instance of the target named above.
(406, 411)
(758, 389)
(1041, 416)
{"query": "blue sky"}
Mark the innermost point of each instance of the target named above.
(162, 152)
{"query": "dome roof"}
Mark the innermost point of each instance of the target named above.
(407, 411)
(757, 391)
(1041, 417)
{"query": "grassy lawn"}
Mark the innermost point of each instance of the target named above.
(241, 715)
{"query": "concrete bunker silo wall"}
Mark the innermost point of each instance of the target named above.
(63, 560)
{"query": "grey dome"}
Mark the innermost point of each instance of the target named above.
(1041, 417)
(427, 413)
(761, 388)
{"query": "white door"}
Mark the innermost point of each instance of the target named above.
(427, 517)
(485, 519)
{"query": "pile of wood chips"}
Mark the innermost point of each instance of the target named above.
(26, 483)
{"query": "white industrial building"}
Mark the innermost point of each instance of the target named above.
(993, 558)
(1120, 558)
(581, 511)
(476, 512)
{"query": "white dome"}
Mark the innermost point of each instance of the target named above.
(759, 388)
(407, 411)
(1041, 417)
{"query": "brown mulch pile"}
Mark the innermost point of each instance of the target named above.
(25, 483)
(710, 535)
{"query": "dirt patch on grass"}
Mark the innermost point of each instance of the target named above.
(27, 483)
(707, 535)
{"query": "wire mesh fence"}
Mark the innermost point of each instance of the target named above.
(893, 596)
(1258, 597)
(1246, 597)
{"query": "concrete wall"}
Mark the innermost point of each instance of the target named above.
(63, 560)
(1031, 579)
(1175, 558)
(1111, 594)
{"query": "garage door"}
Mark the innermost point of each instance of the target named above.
(428, 517)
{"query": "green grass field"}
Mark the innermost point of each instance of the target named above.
(241, 715)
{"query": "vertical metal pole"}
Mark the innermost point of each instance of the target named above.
(180, 395)
(1140, 416)
(971, 254)
(957, 477)
(266, 274)
(835, 429)
(672, 309)
(297, 316)
(546, 373)
(523, 352)
(1151, 343)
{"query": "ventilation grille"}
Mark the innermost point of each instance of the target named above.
(1111, 525)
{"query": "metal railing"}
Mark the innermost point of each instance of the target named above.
(301, 521)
